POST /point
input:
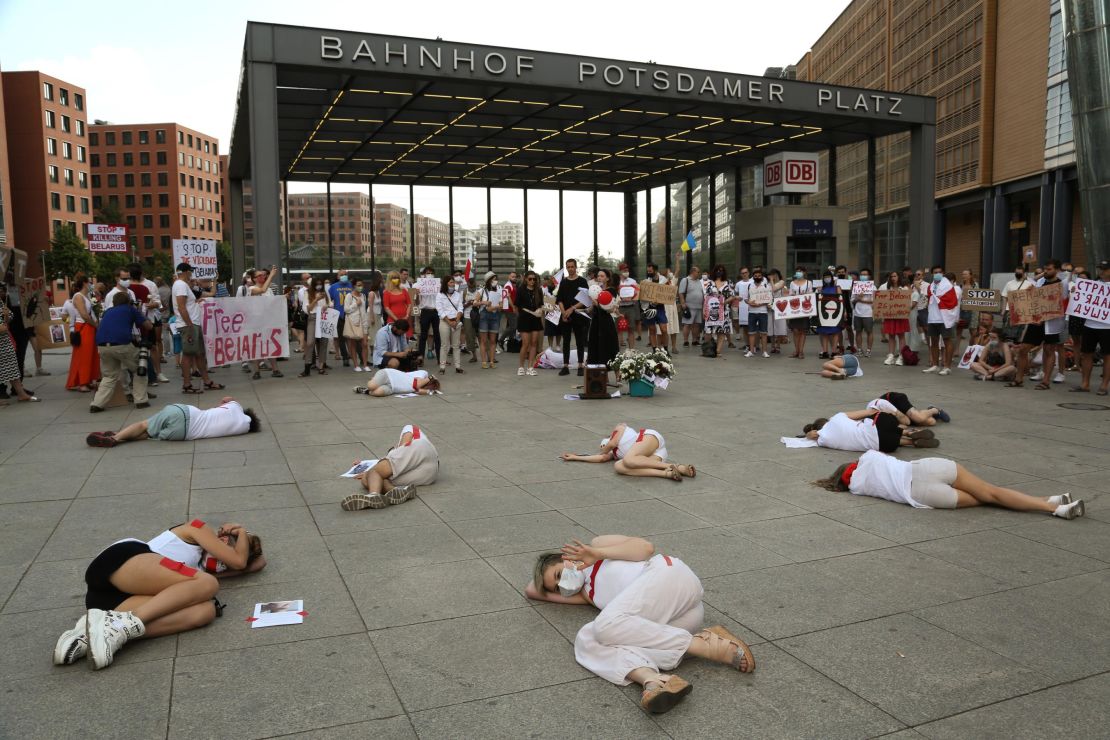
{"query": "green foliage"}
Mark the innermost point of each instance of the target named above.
(108, 265)
(68, 254)
(223, 261)
(110, 213)
(160, 264)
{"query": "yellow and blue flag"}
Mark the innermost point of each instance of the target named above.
(690, 244)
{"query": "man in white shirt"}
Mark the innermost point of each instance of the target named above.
(1020, 282)
(1096, 337)
(740, 310)
(863, 321)
(123, 283)
(1048, 335)
(388, 381)
(189, 314)
(179, 421)
(628, 291)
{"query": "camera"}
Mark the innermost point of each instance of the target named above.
(144, 361)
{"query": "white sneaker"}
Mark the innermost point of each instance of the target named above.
(945, 371)
(1039, 375)
(520, 371)
(1058, 378)
(399, 495)
(497, 350)
(931, 369)
(162, 378)
(358, 369)
(748, 353)
(889, 359)
(107, 632)
(899, 361)
(442, 369)
(767, 355)
(1074, 510)
(72, 645)
(531, 371)
(867, 353)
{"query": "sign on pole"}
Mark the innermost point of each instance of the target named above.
(243, 329)
(981, 299)
(1090, 299)
(107, 237)
(892, 304)
(200, 253)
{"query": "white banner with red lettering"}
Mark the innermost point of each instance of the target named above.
(242, 329)
(1090, 299)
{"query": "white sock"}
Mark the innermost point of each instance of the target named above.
(1062, 509)
(1055, 500)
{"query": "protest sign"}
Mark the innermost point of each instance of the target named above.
(653, 292)
(970, 355)
(1090, 299)
(863, 287)
(327, 323)
(549, 300)
(426, 288)
(200, 253)
(830, 310)
(107, 237)
(844, 284)
(981, 299)
(1036, 305)
(760, 295)
(242, 329)
(892, 304)
(795, 306)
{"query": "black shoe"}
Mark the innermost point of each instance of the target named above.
(346, 363)
(130, 398)
(581, 371)
(95, 409)
(565, 371)
(144, 405)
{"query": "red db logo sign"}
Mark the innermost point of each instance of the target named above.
(772, 174)
(801, 172)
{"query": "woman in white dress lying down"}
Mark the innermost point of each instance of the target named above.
(637, 452)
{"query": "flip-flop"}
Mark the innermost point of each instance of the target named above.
(916, 434)
(927, 443)
(1042, 387)
(673, 474)
(1079, 390)
(1100, 393)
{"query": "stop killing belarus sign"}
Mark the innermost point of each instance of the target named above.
(107, 237)
(200, 253)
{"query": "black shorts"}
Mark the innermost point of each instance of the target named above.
(1034, 335)
(1075, 326)
(889, 431)
(1095, 339)
(101, 594)
(898, 400)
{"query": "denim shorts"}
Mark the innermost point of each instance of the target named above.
(489, 321)
(851, 364)
(757, 323)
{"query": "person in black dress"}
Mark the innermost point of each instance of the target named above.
(530, 321)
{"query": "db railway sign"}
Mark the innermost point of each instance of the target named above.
(790, 172)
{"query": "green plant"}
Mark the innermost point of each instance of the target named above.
(635, 365)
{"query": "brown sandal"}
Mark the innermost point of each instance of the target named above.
(725, 647)
(673, 474)
(659, 697)
(1042, 387)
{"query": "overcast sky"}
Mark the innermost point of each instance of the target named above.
(173, 61)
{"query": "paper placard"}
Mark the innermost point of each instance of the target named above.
(844, 283)
(892, 304)
(830, 310)
(970, 355)
(52, 335)
(554, 316)
(863, 287)
(760, 295)
(981, 299)
(277, 613)
(1090, 299)
(583, 297)
(427, 287)
(549, 300)
(200, 253)
(795, 306)
(243, 329)
(653, 292)
(1036, 305)
(327, 322)
(627, 292)
(359, 468)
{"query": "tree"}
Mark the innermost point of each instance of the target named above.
(68, 255)
(223, 262)
(110, 213)
(160, 264)
(108, 265)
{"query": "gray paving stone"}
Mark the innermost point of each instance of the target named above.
(520, 533)
(482, 503)
(57, 705)
(9, 577)
(256, 475)
(809, 537)
(637, 518)
(331, 519)
(322, 463)
(1089, 537)
(246, 498)
(91, 524)
(717, 551)
(390, 728)
(25, 528)
(457, 660)
(1009, 558)
(390, 549)
(47, 585)
(568, 493)
(898, 523)
(1077, 710)
(598, 710)
(733, 507)
(431, 592)
(294, 687)
(911, 669)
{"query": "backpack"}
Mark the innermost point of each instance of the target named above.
(909, 357)
(709, 348)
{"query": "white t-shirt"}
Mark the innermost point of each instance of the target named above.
(610, 578)
(764, 284)
(861, 305)
(803, 288)
(402, 382)
(626, 291)
(181, 288)
(883, 476)
(153, 292)
(1011, 286)
(740, 310)
(843, 433)
(223, 421)
(111, 296)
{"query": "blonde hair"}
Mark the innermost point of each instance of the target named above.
(393, 275)
(543, 562)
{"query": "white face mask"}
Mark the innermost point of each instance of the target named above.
(572, 580)
(450, 289)
(125, 283)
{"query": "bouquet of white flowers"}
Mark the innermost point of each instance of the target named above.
(634, 365)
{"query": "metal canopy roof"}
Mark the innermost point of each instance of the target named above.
(359, 108)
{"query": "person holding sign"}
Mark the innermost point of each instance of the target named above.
(628, 291)
(760, 295)
(799, 287)
(1096, 331)
(895, 329)
(261, 280)
(937, 483)
(315, 349)
(1046, 334)
(338, 293)
(428, 286)
(413, 462)
(863, 322)
(830, 303)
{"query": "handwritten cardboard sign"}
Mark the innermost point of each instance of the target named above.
(1090, 299)
(327, 323)
(760, 295)
(892, 304)
(654, 292)
(242, 329)
(200, 253)
(863, 287)
(981, 299)
(1036, 305)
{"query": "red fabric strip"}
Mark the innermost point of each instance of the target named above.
(197, 523)
(667, 559)
(640, 438)
(593, 577)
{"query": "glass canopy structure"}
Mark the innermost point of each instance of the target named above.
(343, 108)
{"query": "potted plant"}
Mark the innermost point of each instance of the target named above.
(643, 370)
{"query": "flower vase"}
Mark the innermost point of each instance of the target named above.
(640, 388)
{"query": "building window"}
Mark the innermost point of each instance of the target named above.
(129, 201)
(126, 136)
(144, 159)
(163, 179)
(50, 119)
(128, 180)
(210, 224)
(83, 179)
(217, 227)
(192, 162)
(109, 138)
(181, 159)
(80, 153)
(68, 174)
(163, 201)
(48, 91)
(160, 158)
(192, 183)
(148, 200)
(180, 137)
(51, 146)
(184, 201)
(63, 96)
(71, 203)
(52, 172)
(66, 124)
(96, 182)
(148, 221)
(56, 224)
(110, 158)
(164, 220)
(80, 127)
(94, 138)
(95, 161)
(148, 242)
(113, 181)
(144, 179)
(78, 101)
(160, 136)
(144, 137)
(192, 201)
(85, 205)
(208, 185)
(128, 159)
(183, 180)
(67, 150)
(206, 151)
(131, 222)
(184, 222)
(97, 202)
(190, 138)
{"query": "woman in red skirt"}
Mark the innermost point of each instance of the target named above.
(895, 330)
(84, 363)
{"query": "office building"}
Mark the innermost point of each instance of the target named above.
(248, 210)
(163, 177)
(350, 223)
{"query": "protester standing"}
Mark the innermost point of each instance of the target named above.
(472, 311)
(315, 350)
(9, 363)
(830, 335)
(573, 322)
(690, 297)
(449, 309)
(799, 286)
(719, 294)
(530, 321)
(118, 353)
(396, 301)
(895, 330)
(489, 319)
(84, 362)
(356, 326)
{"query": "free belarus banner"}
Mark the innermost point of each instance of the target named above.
(242, 329)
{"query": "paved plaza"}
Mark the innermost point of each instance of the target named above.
(866, 618)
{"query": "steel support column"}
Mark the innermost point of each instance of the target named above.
(630, 231)
(923, 169)
(451, 223)
(689, 218)
(238, 232)
(867, 245)
(940, 237)
(489, 231)
(1001, 256)
(712, 221)
(738, 203)
(834, 196)
(261, 87)
(412, 233)
(647, 228)
(331, 248)
(285, 224)
(1044, 219)
(562, 258)
(527, 264)
(596, 256)
(667, 225)
(1061, 218)
(373, 230)
(987, 238)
